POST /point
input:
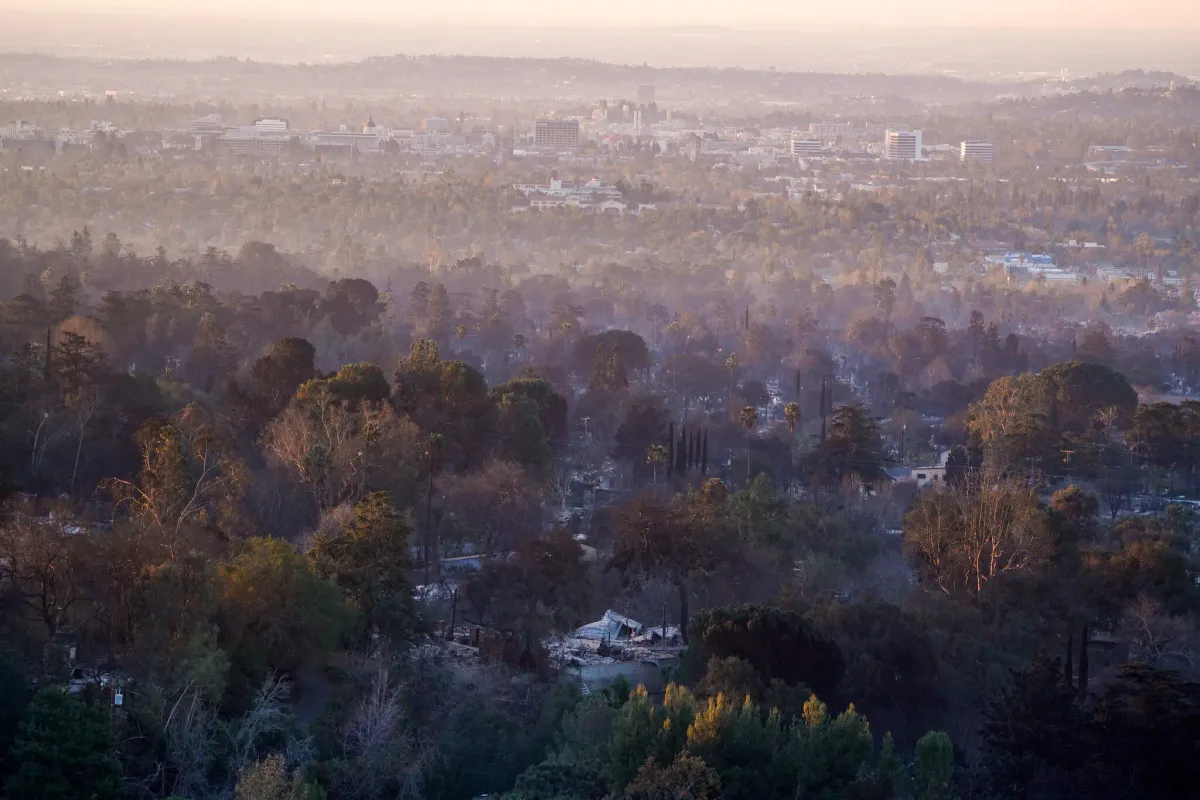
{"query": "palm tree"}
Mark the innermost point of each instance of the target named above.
(731, 364)
(460, 333)
(791, 413)
(518, 341)
(748, 417)
(656, 455)
(433, 465)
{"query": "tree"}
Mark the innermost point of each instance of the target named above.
(628, 347)
(446, 397)
(551, 406)
(268, 780)
(189, 479)
(278, 374)
(853, 449)
(653, 541)
(542, 588)
(656, 456)
(560, 779)
(276, 614)
(1082, 391)
(645, 424)
(341, 451)
(966, 536)
(1012, 421)
(491, 509)
(350, 304)
(42, 567)
(64, 751)
(933, 771)
(791, 413)
(368, 561)
(748, 419)
(1033, 732)
(781, 644)
(687, 778)
(731, 364)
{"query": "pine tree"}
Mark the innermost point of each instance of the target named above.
(64, 751)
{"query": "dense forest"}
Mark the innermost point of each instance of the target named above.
(229, 508)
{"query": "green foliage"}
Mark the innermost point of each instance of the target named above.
(522, 437)
(853, 449)
(560, 780)
(368, 561)
(551, 406)
(64, 751)
(13, 699)
(275, 613)
(933, 769)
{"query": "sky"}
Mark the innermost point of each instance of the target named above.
(741, 14)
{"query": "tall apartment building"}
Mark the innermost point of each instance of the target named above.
(556, 134)
(977, 151)
(807, 146)
(902, 145)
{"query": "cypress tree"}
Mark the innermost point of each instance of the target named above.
(671, 451)
(1083, 660)
(1068, 665)
(824, 402)
(691, 450)
(704, 455)
(681, 465)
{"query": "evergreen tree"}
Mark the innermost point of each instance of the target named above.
(64, 751)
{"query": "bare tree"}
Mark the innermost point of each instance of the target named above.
(189, 476)
(40, 569)
(963, 537)
(1157, 638)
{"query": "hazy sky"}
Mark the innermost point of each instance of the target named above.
(745, 14)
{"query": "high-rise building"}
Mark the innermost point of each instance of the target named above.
(646, 94)
(902, 145)
(807, 147)
(977, 151)
(556, 134)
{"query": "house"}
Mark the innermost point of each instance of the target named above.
(931, 476)
(611, 627)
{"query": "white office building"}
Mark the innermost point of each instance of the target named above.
(902, 145)
(556, 134)
(807, 147)
(264, 137)
(977, 151)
